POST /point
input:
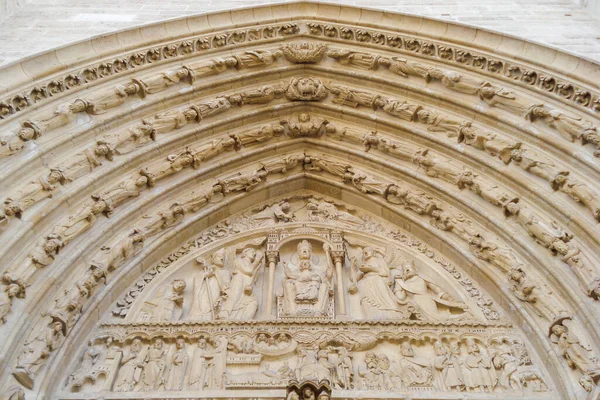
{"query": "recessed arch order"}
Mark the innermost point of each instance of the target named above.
(163, 187)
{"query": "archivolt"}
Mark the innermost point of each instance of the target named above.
(423, 128)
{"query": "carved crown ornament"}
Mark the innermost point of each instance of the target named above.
(485, 157)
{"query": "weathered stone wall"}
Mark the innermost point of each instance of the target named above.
(43, 24)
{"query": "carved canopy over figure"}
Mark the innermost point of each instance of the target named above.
(306, 287)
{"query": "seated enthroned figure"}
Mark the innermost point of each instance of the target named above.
(305, 287)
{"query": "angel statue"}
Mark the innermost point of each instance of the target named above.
(241, 302)
(371, 279)
(428, 298)
(306, 286)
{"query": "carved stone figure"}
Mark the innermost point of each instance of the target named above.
(117, 195)
(278, 212)
(305, 126)
(162, 81)
(311, 366)
(34, 192)
(480, 186)
(479, 375)
(36, 351)
(195, 201)
(131, 367)
(365, 183)
(491, 143)
(153, 373)
(577, 356)
(243, 181)
(177, 366)
(323, 211)
(212, 107)
(355, 59)
(169, 120)
(405, 68)
(343, 372)
(375, 372)
(283, 164)
(264, 134)
(257, 58)
(262, 95)
(241, 303)
(306, 89)
(438, 123)
(537, 164)
(546, 234)
(164, 219)
(108, 98)
(373, 283)
(303, 52)
(210, 288)
(206, 369)
(81, 221)
(401, 109)
(437, 168)
(449, 366)
(503, 258)
(502, 98)
(416, 201)
(169, 302)
(305, 289)
(414, 370)
(430, 299)
(353, 98)
(536, 294)
(84, 162)
(7, 294)
(570, 128)
(580, 192)
(203, 69)
(125, 249)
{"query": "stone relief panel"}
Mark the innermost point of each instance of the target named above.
(255, 357)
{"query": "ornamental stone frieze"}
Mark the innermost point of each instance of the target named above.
(300, 201)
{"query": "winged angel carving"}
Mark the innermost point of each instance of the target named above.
(390, 287)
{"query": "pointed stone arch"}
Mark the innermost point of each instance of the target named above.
(121, 148)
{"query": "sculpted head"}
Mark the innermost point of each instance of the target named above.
(467, 178)
(26, 134)
(202, 343)
(52, 244)
(99, 206)
(304, 117)
(558, 330)
(304, 250)
(513, 208)
(13, 290)
(55, 175)
(218, 258)
(285, 206)
(439, 348)
(368, 252)
(409, 270)
(249, 253)
(180, 343)
(516, 275)
(136, 344)
(11, 207)
(407, 350)
(56, 327)
(158, 344)
(178, 285)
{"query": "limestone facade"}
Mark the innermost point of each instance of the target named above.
(268, 203)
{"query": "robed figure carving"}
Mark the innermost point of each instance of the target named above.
(306, 286)
(373, 282)
(431, 300)
(241, 302)
(210, 288)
